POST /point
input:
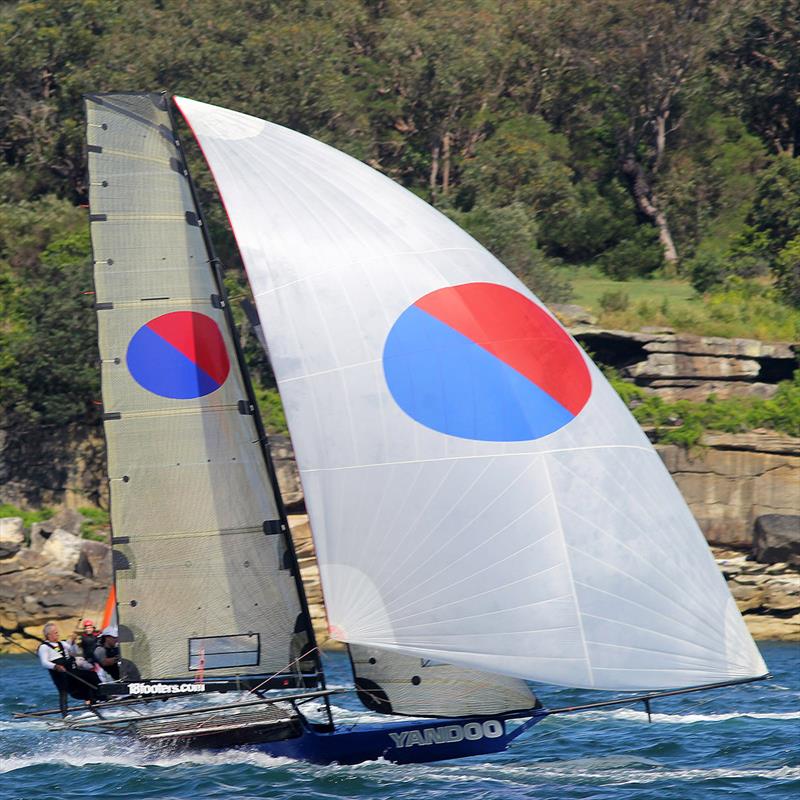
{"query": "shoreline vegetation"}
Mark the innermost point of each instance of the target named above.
(639, 159)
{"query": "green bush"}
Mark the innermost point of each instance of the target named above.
(614, 301)
(707, 271)
(510, 233)
(683, 422)
(271, 408)
(787, 272)
(639, 256)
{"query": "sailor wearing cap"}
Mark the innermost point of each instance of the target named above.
(106, 654)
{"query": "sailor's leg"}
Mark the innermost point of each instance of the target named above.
(63, 700)
(60, 680)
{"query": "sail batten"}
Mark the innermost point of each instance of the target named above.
(478, 493)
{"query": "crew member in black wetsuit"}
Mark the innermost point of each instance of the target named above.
(88, 640)
(106, 654)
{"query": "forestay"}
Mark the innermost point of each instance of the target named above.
(478, 493)
(204, 581)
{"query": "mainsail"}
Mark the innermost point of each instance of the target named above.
(206, 580)
(478, 493)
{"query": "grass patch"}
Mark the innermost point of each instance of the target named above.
(745, 309)
(269, 403)
(28, 517)
(684, 422)
(97, 524)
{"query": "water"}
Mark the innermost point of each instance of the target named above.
(738, 743)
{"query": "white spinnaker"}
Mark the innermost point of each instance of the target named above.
(570, 559)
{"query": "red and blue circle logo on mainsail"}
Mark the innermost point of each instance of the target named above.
(481, 361)
(180, 355)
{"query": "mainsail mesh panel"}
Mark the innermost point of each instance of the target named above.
(393, 683)
(190, 492)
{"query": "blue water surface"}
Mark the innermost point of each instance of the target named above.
(738, 743)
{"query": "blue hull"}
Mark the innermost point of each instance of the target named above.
(407, 742)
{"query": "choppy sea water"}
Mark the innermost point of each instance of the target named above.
(737, 743)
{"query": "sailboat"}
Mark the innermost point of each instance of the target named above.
(485, 510)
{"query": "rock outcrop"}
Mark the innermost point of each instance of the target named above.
(12, 536)
(43, 582)
(767, 595)
(687, 367)
(733, 479)
(777, 538)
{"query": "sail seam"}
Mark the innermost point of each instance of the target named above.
(309, 470)
(362, 262)
(620, 543)
(684, 609)
(418, 586)
(568, 565)
(644, 608)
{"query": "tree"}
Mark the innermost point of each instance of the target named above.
(642, 60)
(758, 62)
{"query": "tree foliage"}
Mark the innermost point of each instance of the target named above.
(641, 136)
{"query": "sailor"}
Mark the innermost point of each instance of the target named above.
(71, 673)
(88, 640)
(106, 654)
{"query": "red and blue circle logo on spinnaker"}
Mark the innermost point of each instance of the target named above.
(180, 355)
(481, 361)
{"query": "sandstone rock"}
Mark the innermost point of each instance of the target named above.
(698, 391)
(777, 538)
(677, 365)
(12, 536)
(25, 559)
(95, 561)
(67, 520)
(748, 598)
(62, 550)
(12, 530)
(8, 620)
(752, 580)
(286, 471)
(765, 627)
(716, 346)
(781, 602)
(777, 568)
(37, 631)
(571, 314)
(728, 483)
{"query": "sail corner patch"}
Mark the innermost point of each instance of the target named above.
(481, 361)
